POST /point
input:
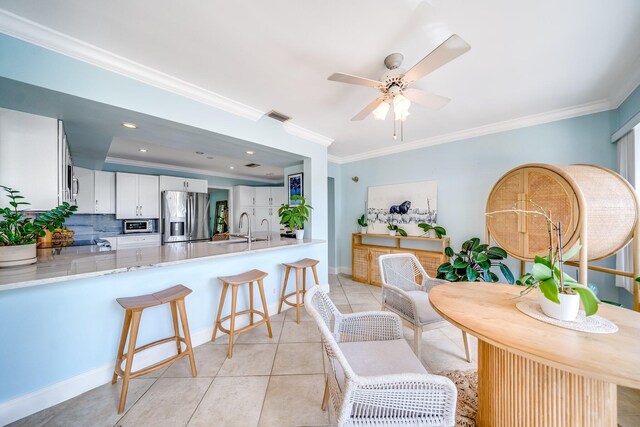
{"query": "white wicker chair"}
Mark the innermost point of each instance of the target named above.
(405, 291)
(375, 378)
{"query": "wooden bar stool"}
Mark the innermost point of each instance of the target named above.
(235, 281)
(133, 312)
(301, 268)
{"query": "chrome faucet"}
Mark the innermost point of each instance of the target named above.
(268, 228)
(248, 236)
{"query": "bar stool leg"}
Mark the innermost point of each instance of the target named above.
(284, 287)
(315, 274)
(220, 307)
(123, 340)
(264, 307)
(298, 295)
(187, 335)
(176, 329)
(251, 303)
(135, 323)
(304, 281)
(232, 325)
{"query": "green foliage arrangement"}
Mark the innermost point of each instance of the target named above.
(440, 231)
(16, 229)
(362, 221)
(400, 231)
(474, 263)
(295, 215)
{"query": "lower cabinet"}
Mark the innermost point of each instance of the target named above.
(364, 257)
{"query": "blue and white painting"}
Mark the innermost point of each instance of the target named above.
(388, 204)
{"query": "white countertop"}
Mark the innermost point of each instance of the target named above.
(57, 265)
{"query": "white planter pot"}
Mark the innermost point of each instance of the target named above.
(392, 232)
(299, 234)
(566, 310)
(363, 230)
(17, 255)
(431, 233)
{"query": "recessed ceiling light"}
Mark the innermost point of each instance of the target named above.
(199, 152)
(143, 150)
(129, 125)
(231, 167)
(249, 152)
(209, 157)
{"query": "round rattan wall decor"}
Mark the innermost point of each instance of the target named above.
(597, 207)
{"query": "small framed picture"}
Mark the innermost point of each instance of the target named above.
(295, 187)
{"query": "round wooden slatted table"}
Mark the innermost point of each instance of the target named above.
(531, 373)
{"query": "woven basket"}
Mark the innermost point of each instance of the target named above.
(574, 194)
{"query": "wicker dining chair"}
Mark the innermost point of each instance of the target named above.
(405, 291)
(375, 379)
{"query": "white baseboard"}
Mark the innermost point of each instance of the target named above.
(345, 270)
(334, 270)
(38, 400)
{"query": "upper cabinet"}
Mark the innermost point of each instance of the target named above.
(137, 196)
(243, 195)
(174, 183)
(96, 191)
(48, 180)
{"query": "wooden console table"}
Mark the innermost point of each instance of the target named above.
(364, 256)
(531, 373)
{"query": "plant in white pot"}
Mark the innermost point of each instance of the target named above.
(560, 294)
(362, 222)
(394, 229)
(432, 230)
(295, 215)
(18, 234)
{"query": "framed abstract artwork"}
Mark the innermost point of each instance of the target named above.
(296, 187)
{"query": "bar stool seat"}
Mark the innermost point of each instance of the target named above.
(300, 268)
(134, 306)
(236, 281)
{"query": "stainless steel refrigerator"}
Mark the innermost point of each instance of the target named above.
(185, 217)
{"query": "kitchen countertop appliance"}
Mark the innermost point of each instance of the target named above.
(185, 217)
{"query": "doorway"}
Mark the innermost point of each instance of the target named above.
(219, 215)
(331, 206)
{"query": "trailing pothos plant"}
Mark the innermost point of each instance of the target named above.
(473, 263)
(16, 229)
(295, 215)
(440, 231)
(400, 231)
(547, 273)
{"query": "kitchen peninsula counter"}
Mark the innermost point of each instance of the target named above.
(63, 264)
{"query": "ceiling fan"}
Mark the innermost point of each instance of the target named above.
(394, 84)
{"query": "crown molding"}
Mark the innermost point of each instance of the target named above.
(196, 171)
(521, 122)
(37, 34)
(630, 85)
(307, 134)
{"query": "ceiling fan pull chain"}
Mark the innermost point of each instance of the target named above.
(401, 130)
(394, 125)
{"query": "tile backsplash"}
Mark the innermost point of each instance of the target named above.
(90, 226)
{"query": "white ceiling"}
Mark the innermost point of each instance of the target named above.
(527, 57)
(209, 163)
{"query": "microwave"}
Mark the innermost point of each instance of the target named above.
(137, 226)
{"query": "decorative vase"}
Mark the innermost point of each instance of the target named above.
(17, 255)
(392, 232)
(299, 234)
(363, 230)
(567, 309)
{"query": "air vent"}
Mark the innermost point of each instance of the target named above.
(252, 165)
(278, 116)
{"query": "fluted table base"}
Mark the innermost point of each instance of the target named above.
(516, 391)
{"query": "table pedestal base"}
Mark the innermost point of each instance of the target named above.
(516, 391)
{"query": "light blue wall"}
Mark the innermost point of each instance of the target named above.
(331, 205)
(629, 108)
(466, 171)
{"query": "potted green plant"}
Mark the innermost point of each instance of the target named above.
(362, 222)
(18, 234)
(295, 215)
(394, 229)
(431, 230)
(474, 263)
(560, 294)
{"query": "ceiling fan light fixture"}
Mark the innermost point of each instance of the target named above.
(401, 107)
(380, 113)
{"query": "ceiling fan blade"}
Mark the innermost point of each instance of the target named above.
(426, 99)
(449, 50)
(354, 80)
(368, 109)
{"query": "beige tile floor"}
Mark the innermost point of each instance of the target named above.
(269, 382)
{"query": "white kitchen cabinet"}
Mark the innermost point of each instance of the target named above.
(259, 203)
(243, 195)
(137, 196)
(262, 196)
(278, 197)
(96, 191)
(138, 241)
(175, 183)
(45, 181)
